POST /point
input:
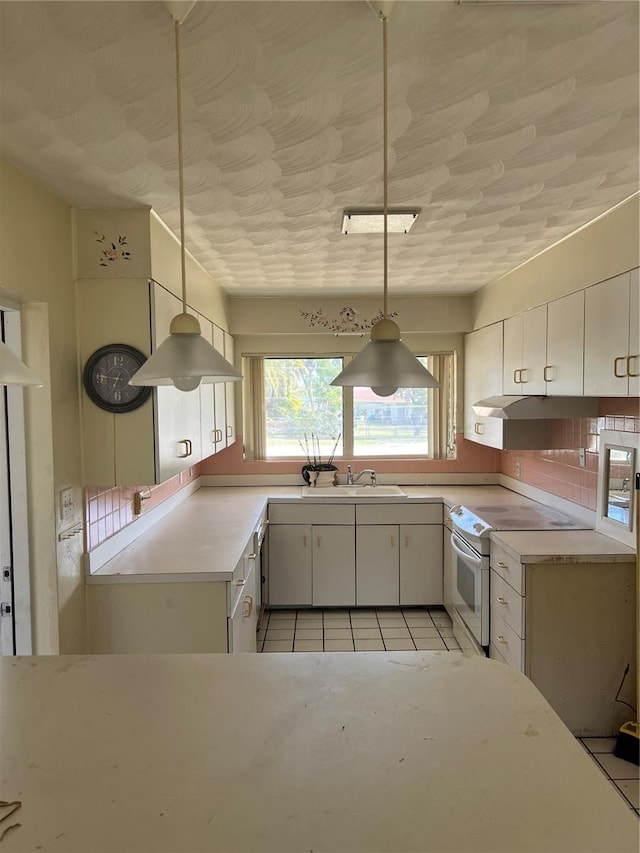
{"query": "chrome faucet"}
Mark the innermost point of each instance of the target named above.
(353, 478)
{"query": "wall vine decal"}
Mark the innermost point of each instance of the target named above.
(346, 321)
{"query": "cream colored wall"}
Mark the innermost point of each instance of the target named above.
(282, 315)
(607, 247)
(36, 271)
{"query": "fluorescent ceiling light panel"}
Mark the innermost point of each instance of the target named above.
(372, 221)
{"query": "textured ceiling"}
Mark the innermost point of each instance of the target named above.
(510, 126)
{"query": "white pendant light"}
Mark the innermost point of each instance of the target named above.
(13, 371)
(185, 358)
(385, 363)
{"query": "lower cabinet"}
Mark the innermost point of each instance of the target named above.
(311, 565)
(570, 627)
(173, 617)
(342, 555)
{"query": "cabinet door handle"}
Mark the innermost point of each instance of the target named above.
(213, 437)
(545, 376)
(478, 428)
(240, 583)
(501, 639)
(502, 565)
(515, 376)
(187, 446)
(501, 600)
(615, 367)
(247, 606)
(629, 371)
(525, 371)
(229, 432)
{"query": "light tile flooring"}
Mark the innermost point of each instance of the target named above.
(623, 775)
(405, 629)
(361, 630)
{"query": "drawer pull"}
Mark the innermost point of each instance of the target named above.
(240, 583)
(545, 376)
(615, 367)
(501, 639)
(247, 606)
(251, 556)
(501, 600)
(502, 565)
(478, 428)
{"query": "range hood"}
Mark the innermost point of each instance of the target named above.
(513, 407)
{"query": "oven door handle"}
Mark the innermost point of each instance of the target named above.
(467, 555)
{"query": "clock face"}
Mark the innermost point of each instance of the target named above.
(106, 378)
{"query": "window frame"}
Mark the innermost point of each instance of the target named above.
(441, 405)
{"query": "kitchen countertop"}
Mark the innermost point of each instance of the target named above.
(564, 546)
(358, 752)
(203, 538)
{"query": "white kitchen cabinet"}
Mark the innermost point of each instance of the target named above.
(482, 378)
(570, 627)
(311, 565)
(564, 367)
(525, 349)
(399, 562)
(612, 337)
(377, 565)
(243, 615)
(230, 391)
(290, 581)
(311, 555)
(333, 566)
(220, 396)
(178, 424)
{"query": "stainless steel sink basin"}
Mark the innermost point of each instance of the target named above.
(353, 492)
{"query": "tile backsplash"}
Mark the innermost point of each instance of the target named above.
(108, 510)
(569, 468)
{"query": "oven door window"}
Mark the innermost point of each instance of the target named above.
(466, 585)
(470, 588)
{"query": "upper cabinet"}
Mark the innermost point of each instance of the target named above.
(564, 367)
(482, 378)
(612, 337)
(525, 351)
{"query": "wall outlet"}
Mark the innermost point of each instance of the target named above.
(518, 470)
(67, 507)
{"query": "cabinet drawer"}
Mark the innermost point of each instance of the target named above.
(399, 513)
(507, 642)
(508, 567)
(507, 604)
(307, 514)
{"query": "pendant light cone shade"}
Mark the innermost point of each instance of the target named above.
(385, 364)
(13, 371)
(185, 358)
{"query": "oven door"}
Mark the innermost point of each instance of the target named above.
(470, 588)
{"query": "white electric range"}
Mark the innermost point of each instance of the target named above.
(467, 587)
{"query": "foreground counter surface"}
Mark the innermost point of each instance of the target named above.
(406, 751)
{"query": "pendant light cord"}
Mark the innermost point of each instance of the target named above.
(385, 155)
(176, 27)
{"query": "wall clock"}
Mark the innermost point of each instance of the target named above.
(106, 378)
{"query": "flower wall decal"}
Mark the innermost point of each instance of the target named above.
(346, 321)
(112, 251)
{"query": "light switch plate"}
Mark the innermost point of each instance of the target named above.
(67, 507)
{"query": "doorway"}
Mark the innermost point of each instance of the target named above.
(15, 600)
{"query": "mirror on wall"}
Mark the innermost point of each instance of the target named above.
(618, 464)
(618, 491)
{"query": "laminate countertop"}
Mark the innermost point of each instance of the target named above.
(203, 538)
(358, 752)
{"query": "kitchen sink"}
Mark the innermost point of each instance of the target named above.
(353, 492)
